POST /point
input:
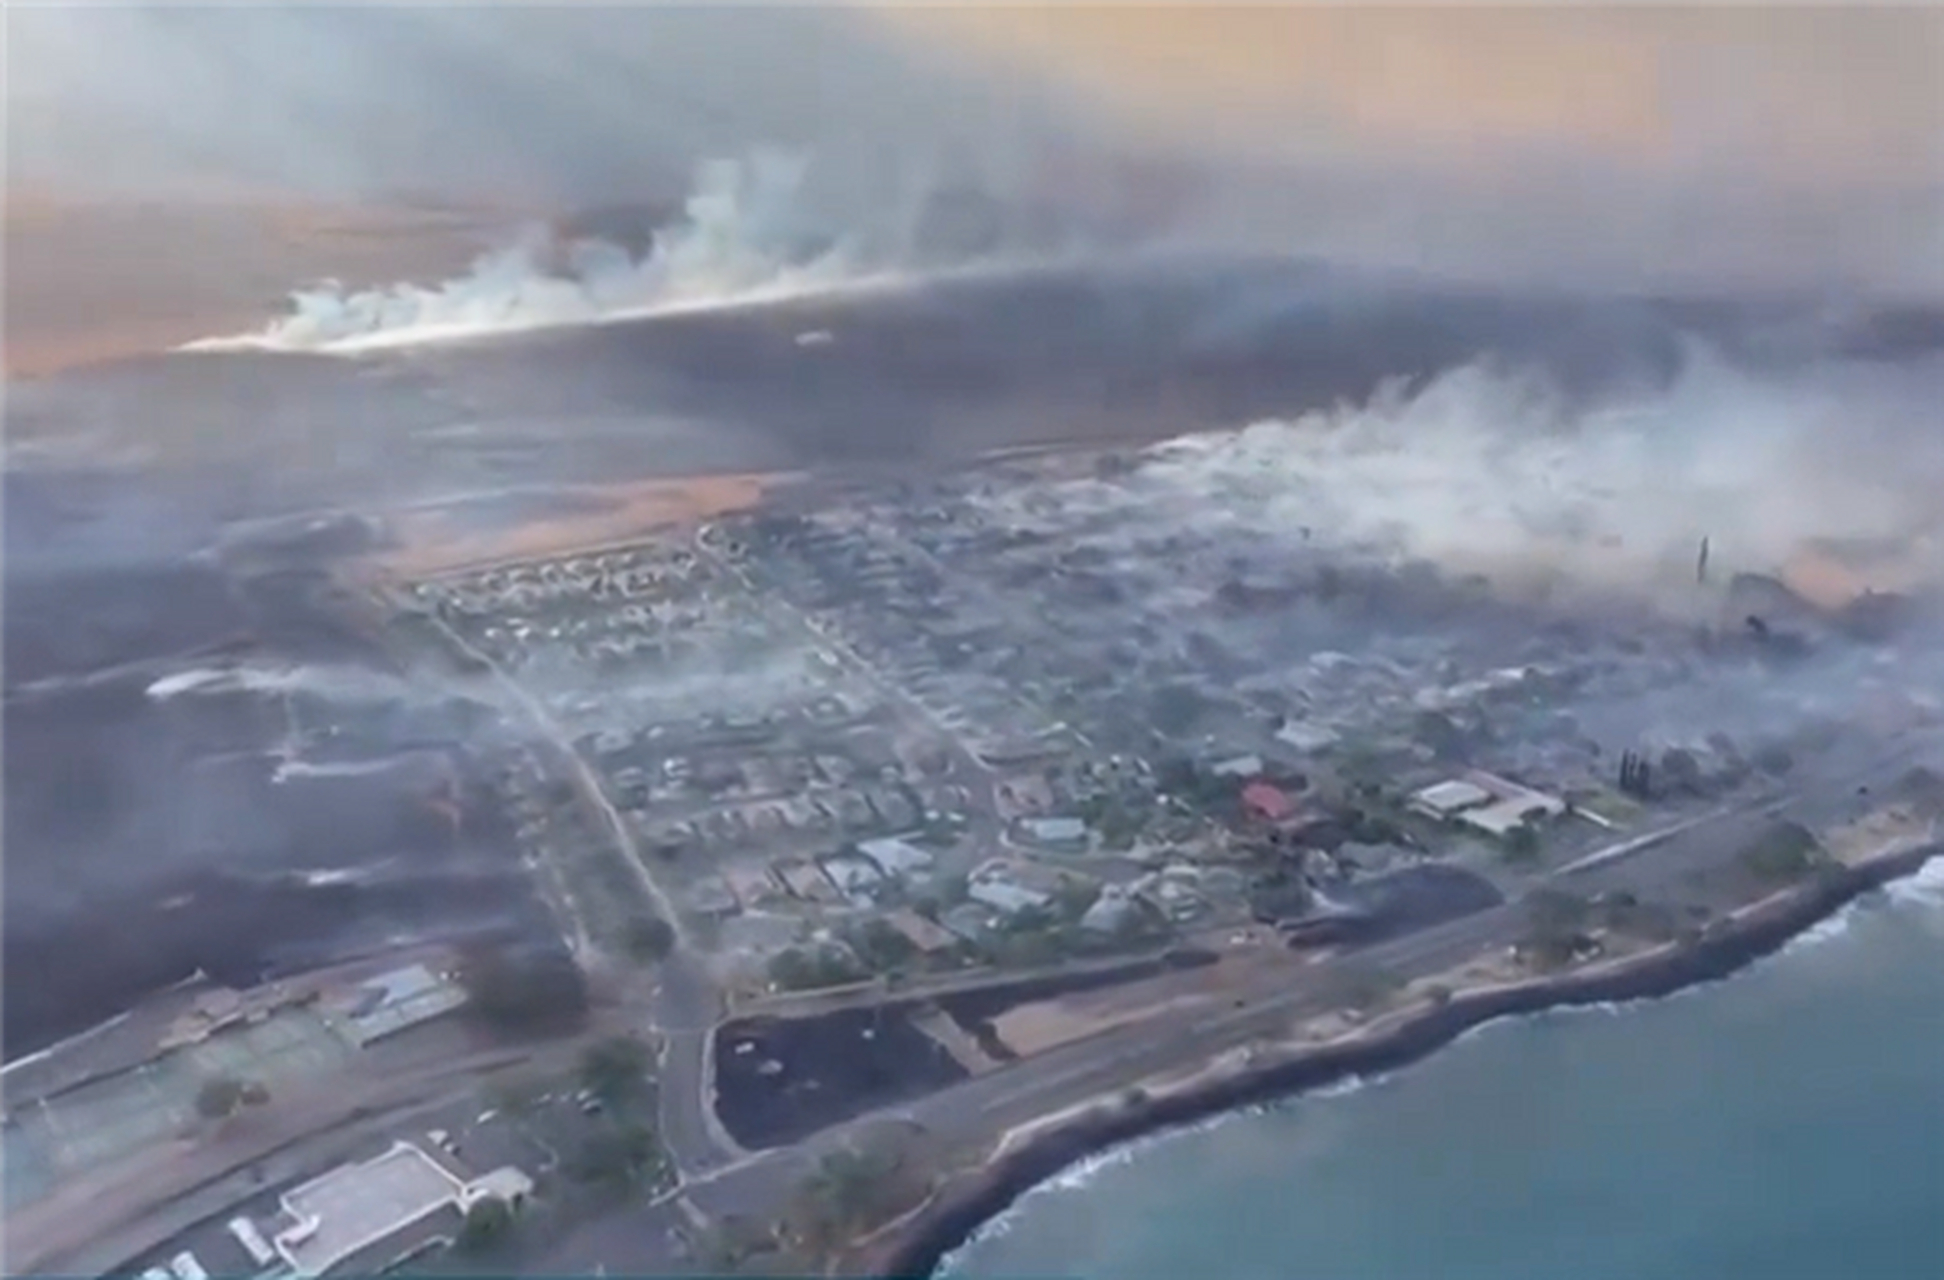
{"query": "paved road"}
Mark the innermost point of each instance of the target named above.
(684, 1003)
(1261, 1009)
(99, 1221)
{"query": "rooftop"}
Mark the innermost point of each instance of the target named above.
(356, 1205)
(1502, 817)
(1444, 799)
(1055, 830)
(1267, 801)
(393, 1001)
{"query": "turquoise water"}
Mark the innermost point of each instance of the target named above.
(1785, 1124)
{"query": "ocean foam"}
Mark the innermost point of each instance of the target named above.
(1923, 891)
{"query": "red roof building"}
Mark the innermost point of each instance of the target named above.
(1266, 803)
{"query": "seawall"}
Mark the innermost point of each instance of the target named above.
(961, 1208)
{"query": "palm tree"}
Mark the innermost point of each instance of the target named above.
(838, 1195)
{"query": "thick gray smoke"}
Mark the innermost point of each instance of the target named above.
(550, 108)
(915, 147)
(1492, 472)
(746, 234)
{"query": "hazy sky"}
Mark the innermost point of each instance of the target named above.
(1753, 140)
(1849, 91)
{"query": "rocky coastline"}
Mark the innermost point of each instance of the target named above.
(920, 1244)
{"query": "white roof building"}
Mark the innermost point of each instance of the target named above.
(1002, 886)
(855, 878)
(1239, 767)
(1448, 799)
(357, 1207)
(897, 857)
(1305, 736)
(393, 1001)
(1502, 817)
(1055, 830)
(1005, 896)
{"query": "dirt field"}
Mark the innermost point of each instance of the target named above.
(431, 544)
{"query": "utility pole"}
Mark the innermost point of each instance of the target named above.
(1701, 563)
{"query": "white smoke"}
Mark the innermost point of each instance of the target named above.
(1490, 472)
(334, 683)
(744, 238)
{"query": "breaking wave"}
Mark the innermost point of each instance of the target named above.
(742, 240)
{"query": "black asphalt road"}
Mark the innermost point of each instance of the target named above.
(1073, 1075)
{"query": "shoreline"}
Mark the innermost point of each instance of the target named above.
(959, 1209)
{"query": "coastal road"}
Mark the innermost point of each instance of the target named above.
(1259, 1010)
(1265, 1008)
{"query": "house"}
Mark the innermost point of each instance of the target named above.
(1533, 803)
(358, 1218)
(856, 878)
(1111, 911)
(896, 857)
(927, 937)
(711, 896)
(391, 1002)
(753, 886)
(1010, 888)
(1239, 767)
(1502, 817)
(1446, 800)
(804, 880)
(1266, 803)
(969, 920)
(1172, 891)
(1305, 737)
(1056, 832)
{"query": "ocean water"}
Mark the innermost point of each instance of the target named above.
(1786, 1124)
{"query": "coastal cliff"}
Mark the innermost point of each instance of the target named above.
(917, 1247)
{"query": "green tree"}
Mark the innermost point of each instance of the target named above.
(880, 946)
(1362, 987)
(1440, 733)
(800, 969)
(620, 1157)
(1557, 910)
(650, 939)
(1556, 923)
(615, 1070)
(488, 1223)
(1784, 851)
(1074, 896)
(219, 1097)
(842, 1195)
(733, 1240)
(526, 992)
(1522, 843)
(1681, 770)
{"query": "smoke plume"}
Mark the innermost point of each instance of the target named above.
(1487, 470)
